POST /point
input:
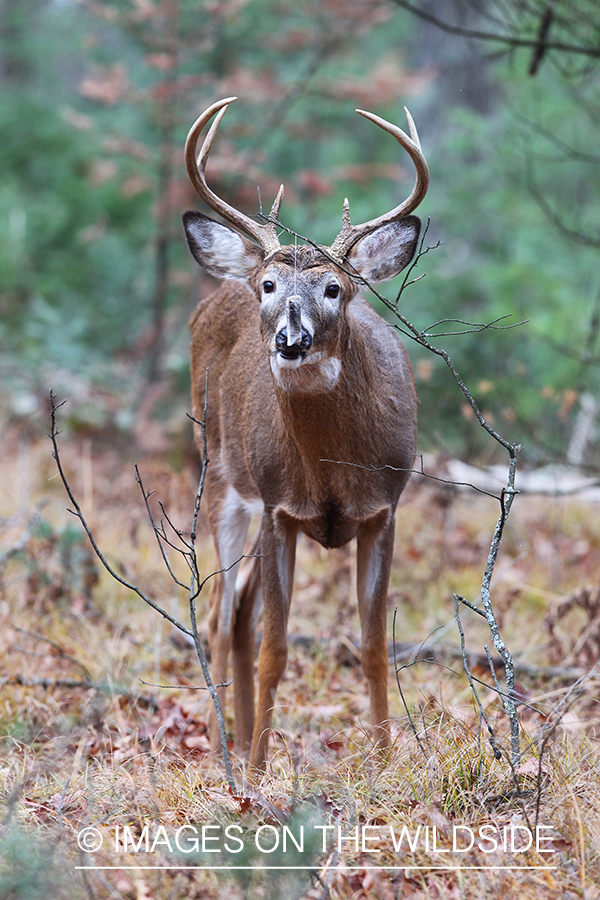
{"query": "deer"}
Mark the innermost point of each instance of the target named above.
(310, 423)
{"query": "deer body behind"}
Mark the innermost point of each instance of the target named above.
(311, 423)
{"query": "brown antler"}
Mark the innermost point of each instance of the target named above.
(266, 234)
(350, 234)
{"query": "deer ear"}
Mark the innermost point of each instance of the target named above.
(221, 251)
(385, 252)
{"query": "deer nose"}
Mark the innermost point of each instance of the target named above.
(292, 351)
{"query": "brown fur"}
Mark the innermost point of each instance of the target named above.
(311, 417)
(278, 447)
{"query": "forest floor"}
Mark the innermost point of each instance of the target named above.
(102, 727)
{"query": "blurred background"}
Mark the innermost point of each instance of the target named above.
(101, 720)
(97, 285)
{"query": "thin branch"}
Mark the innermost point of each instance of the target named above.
(224, 569)
(508, 39)
(470, 605)
(195, 588)
(85, 684)
(407, 281)
(180, 534)
(165, 558)
(474, 327)
(205, 461)
(182, 687)
(508, 496)
(76, 511)
(566, 150)
(491, 736)
(449, 482)
(572, 234)
(397, 669)
(195, 584)
(59, 649)
(552, 722)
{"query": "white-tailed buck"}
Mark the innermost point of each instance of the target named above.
(301, 372)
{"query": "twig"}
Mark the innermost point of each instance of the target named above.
(195, 582)
(396, 670)
(508, 496)
(195, 587)
(491, 736)
(181, 687)
(511, 40)
(146, 495)
(448, 481)
(76, 511)
(59, 649)
(552, 722)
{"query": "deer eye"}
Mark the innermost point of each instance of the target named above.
(332, 290)
(268, 287)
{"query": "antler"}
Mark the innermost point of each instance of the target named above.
(266, 234)
(350, 234)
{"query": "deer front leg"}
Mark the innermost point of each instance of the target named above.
(229, 523)
(249, 604)
(278, 548)
(375, 544)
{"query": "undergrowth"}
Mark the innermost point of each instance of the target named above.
(103, 727)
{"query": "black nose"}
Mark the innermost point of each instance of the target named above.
(294, 350)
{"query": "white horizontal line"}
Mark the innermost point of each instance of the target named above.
(326, 868)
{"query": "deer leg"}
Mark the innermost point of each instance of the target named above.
(375, 543)
(229, 527)
(249, 605)
(278, 548)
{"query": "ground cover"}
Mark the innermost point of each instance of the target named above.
(102, 727)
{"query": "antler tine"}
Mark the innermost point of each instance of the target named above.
(349, 233)
(413, 128)
(208, 142)
(266, 235)
(274, 214)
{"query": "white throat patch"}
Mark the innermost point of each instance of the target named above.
(316, 375)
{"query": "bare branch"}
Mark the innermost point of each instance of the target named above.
(449, 482)
(404, 703)
(159, 537)
(194, 587)
(179, 687)
(491, 736)
(552, 722)
(572, 234)
(474, 327)
(510, 40)
(76, 511)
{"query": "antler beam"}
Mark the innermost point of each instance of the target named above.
(266, 234)
(350, 234)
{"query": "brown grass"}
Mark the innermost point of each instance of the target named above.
(92, 739)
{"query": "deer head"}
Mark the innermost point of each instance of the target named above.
(303, 291)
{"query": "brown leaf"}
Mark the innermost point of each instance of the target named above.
(531, 767)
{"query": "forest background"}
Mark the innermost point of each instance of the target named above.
(96, 290)
(96, 287)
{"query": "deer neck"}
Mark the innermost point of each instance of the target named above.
(313, 408)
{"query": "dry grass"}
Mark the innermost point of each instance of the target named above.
(87, 743)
